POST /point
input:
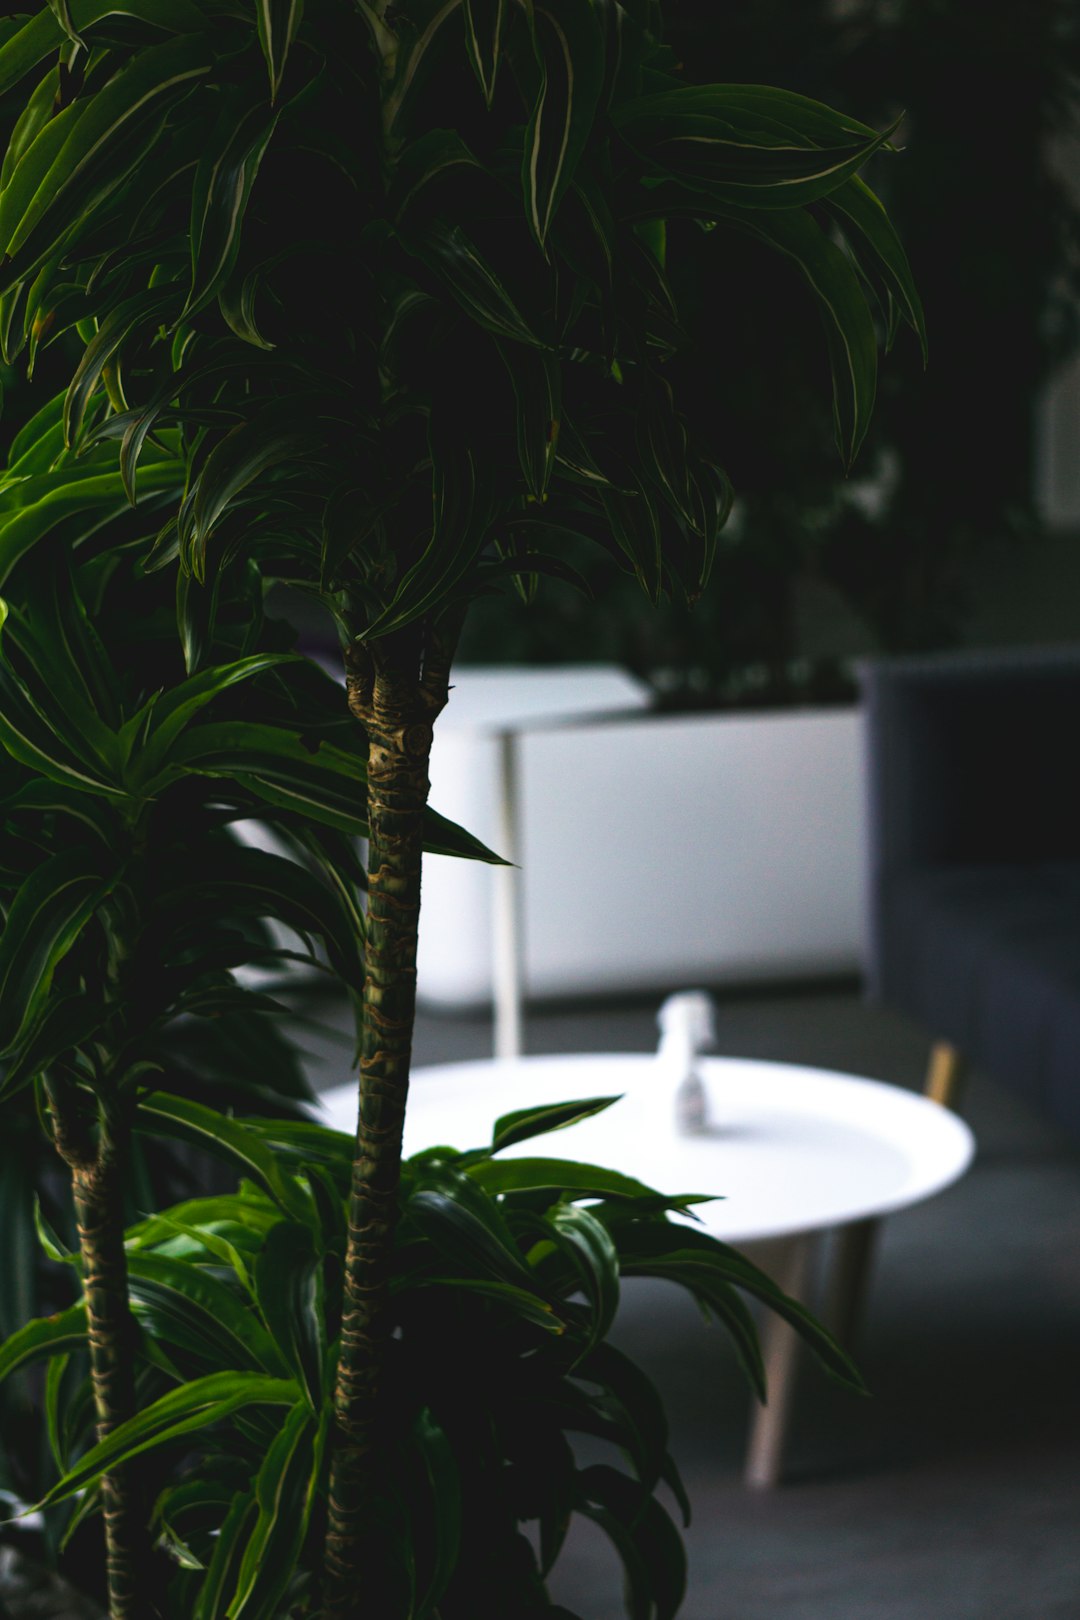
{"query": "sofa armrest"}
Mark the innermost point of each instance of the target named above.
(971, 758)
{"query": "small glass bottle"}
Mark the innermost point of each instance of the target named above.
(687, 1023)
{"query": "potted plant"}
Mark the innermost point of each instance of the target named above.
(390, 285)
(131, 908)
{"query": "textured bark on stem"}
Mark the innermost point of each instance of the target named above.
(397, 708)
(97, 1183)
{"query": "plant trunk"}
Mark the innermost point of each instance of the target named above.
(97, 1182)
(397, 709)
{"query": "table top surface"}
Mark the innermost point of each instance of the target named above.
(786, 1149)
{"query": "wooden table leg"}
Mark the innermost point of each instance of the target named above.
(850, 1265)
(780, 1346)
(945, 1075)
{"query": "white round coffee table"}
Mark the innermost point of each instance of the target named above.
(789, 1153)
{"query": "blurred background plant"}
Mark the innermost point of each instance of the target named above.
(815, 566)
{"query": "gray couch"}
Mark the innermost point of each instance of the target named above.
(974, 795)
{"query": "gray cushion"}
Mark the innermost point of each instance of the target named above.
(988, 957)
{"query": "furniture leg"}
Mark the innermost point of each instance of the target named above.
(944, 1075)
(508, 938)
(780, 1345)
(854, 1246)
(851, 1263)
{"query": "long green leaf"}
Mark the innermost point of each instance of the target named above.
(39, 108)
(253, 882)
(58, 701)
(70, 685)
(44, 33)
(224, 1565)
(443, 1481)
(54, 1424)
(663, 448)
(569, 48)
(628, 1397)
(634, 524)
(284, 1493)
(289, 1290)
(103, 350)
(423, 161)
(322, 782)
(589, 1247)
(557, 1176)
(53, 906)
(194, 1406)
(224, 180)
(748, 145)
(520, 1302)
(47, 742)
(45, 1336)
(410, 48)
(29, 174)
(465, 1226)
(462, 510)
(245, 1218)
(167, 717)
(64, 1024)
(83, 501)
(782, 115)
(849, 327)
(717, 1297)
(644, 1536)
(189, 1121)
(188, 1307)
(278, 24)
(273, 438)
(307, 1142)
(702, 1260)
(62, 11)
(38, 442)
(525, 1123)
(236, 302)
(536, 378)
(208, 1243)
(21, 51)
(865, 222)
(483, 40)
(473, 283)
(139, 89)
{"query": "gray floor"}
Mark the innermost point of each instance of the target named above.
(954, 1492)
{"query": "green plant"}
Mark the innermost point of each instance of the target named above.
(390, 285)
(504, 1281)
(132, 908)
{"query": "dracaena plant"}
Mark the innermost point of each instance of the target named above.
(395, 277)
(132, 909)
(504, 1281)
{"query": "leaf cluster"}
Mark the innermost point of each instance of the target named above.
(164, 830)
(400, 280)
(506, 1279)
(181, 868)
